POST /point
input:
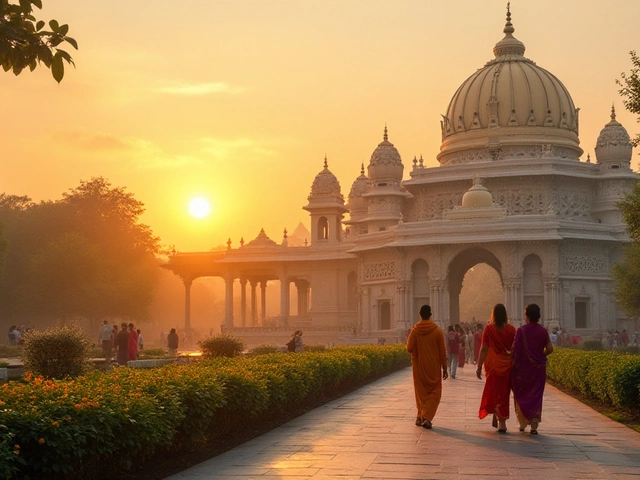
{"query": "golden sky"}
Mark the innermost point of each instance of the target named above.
(239, 101)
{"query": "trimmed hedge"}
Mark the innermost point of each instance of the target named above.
(101, 423)
(610, 377)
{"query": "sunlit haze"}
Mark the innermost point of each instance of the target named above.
(240, 101)
(199, 207)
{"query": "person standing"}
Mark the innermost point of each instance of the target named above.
(133, 343)
(531, 347)
(453, 349)
(469, 346)
(429, 365)
(105, 335)
(172, 342)
(291, 344)
(463, 342)
(122, 345)
(477, 343)
(299, 345)
(496, 354)
(140, 342)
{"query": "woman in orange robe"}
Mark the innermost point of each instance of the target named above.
(497, 356)
(428, 359)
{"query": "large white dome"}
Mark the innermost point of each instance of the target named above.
(511, 100)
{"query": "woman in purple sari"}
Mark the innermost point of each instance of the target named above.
(529, 374)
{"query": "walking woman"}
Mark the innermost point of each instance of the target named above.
(462, 353)
(496, 355)
(529, 375)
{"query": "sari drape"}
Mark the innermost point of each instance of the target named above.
(529, 372)
(497, 367)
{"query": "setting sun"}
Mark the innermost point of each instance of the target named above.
(199, 207)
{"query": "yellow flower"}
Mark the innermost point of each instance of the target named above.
(41, 441)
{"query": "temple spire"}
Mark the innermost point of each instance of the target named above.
(362, 169)
(385, 137)
(508, 28)
(613, 113)
(326, 165)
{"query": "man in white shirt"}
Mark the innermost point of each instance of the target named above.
(105, 336)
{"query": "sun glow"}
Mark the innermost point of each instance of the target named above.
(199, 207)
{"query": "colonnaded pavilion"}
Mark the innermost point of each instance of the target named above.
(511, 191)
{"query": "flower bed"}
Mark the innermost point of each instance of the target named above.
(100, 423)
(610, 377)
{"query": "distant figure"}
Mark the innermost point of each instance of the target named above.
(429, 366)
(105, 335)
(172, 343)
(469, 346)
(299, 347)
(12, 335)
(122, 345)
(140, 342)
(114, 335)
(291, 344)
(463, 342)
(531, 348)
(553, 336)
(453, 349)
(497, 356)
(133, 343)
(477, 342)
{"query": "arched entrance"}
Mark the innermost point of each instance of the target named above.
(458, 267)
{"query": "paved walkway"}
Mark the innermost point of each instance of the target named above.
(370, 434)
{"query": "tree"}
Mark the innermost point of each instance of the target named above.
(85, 255)
(24, 42)
(627, 280)
(630, 90)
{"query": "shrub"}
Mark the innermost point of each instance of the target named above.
(314, 348)
(263, 349)
(10, 351)
(56, 353)
(153, 353)
(629, 350)
(221, 345)
(593, 345)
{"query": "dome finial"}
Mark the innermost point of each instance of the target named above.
(385, 137)
(613, 112)
(508, 28)
(326, 165)
(362, 169)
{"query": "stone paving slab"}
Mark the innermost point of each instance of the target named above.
(370, 434)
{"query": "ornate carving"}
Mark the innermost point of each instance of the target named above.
(375, 271)
(583, 264)
(490, 154)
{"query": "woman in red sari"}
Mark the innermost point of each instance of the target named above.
(497, 356)
(529, 375)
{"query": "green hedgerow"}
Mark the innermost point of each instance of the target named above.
(56, 353)
(221, 345)
(263, 349)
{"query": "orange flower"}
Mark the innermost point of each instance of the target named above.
(54, 423)
(41, 441)
(78, 406)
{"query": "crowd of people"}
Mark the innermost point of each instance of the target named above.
(621, 339)
(513, 361)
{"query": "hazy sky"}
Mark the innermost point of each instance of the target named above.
(239, 101)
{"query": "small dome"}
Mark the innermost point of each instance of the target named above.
(477, 196)
(385, 164)
(326, 184)
(613, 144)
(360, 185)
(262, 240)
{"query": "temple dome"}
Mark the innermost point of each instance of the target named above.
(511, 92)
(326, 184)
(614, 144)
(357, 204)
(477, 196)
(262, 240)
(385, 164)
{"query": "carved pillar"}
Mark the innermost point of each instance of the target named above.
(551, 314)
(254, 309)
(302, 287)
(439, 306)
(366, 311)
(243, 302)
(187, 302)
(263, 300)
(228, 302)
(284, 302)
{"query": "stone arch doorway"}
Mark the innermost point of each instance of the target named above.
(458, 267)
